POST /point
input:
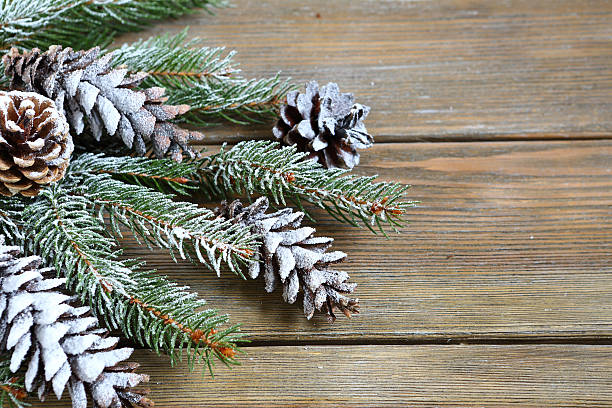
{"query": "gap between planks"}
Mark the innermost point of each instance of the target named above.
(511, 339)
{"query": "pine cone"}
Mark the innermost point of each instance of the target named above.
(90, 91)
(292, 256)
(62, 344)
(326, 124)
(35, 145)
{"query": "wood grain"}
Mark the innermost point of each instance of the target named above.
(440, 70)
(511, 240)
(400, 376)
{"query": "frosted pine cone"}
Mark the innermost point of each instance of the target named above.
(58, 344)
(35, 143)
(291, 256)
(326, 124)
(92, 93)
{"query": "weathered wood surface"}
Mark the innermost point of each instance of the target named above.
(399, 376)
(511, 239)
(433, 70)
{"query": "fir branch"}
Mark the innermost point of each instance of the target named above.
(19, 20)
(167, 317)
(160, 174)
(12, 390)
(177, 226)
(66, 232)
(62, 229)
(204, 78)
(4, 82)
(83, 24)
(174, 63)
(10, 219)
(260, 167)
(240, 102)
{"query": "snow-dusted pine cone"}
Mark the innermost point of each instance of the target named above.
(57, 343)
(290, 255)
(35, 143)
(90, 92)
(325, 123)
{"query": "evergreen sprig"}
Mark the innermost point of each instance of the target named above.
(63, 228)
(12, 390)
(82, 24)
(194, 232)
(167, 317)
(261, 167)
(173, 62)
(164, 175)
(4, 82)
(240, 102)
(20, 20)
(206, 78)
(10, 209)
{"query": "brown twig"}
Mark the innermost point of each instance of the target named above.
(180, 180)
(376, 207)
(196, 335)
(217, 244)
(189, 74)
(105, 285)
(271, 102)
(18, 393)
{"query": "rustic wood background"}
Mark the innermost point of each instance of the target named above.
(499, 291)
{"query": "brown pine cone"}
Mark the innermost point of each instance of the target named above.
(292, 256)
(35, 143)
(326, 124)
(92, 93)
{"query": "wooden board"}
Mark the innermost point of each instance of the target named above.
(508, 258)
(511, 239)
(439, 70)
(399, 376)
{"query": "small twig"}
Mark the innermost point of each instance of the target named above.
(217, 244)
(376, 207)
(196, 335)
(180, 180)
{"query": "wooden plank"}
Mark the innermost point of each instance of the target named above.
(440, 70)
(511, 240)
(360, 376)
